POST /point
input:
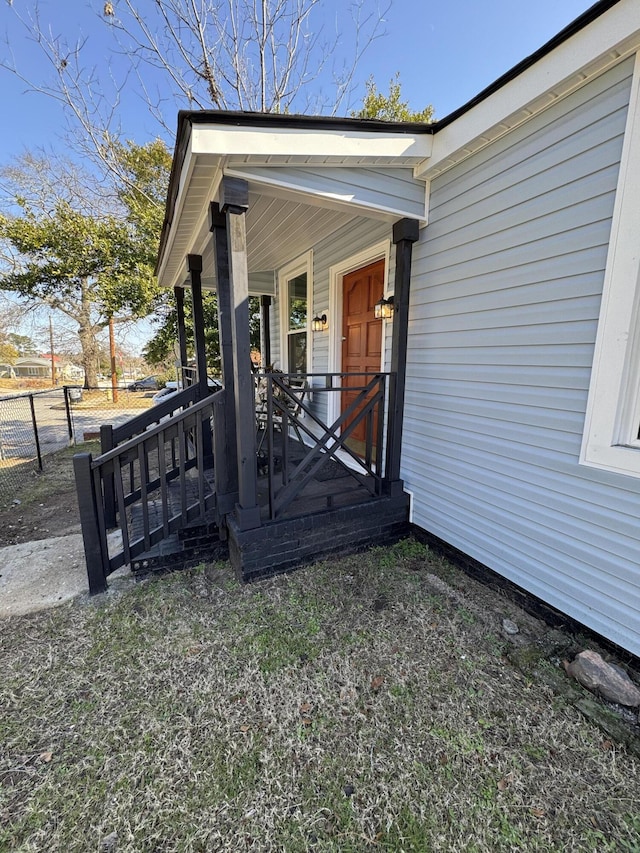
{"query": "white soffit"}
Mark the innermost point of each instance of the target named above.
(591, 51)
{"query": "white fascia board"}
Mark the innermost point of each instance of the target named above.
(296, 142)
(185, 174)
(602, 43)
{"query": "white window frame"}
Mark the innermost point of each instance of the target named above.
(303, 264)
(610, 439)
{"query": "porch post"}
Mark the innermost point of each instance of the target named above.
(194, 266)
(224, 428)
(234, 201)
(405, 234)
(182, 332)
(265, 303)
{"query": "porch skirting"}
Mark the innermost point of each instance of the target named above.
(281, 545)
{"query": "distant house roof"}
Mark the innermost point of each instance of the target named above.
(34, 361)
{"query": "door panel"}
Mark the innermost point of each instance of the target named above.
(361, 332)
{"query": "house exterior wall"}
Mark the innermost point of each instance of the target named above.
(506, 288)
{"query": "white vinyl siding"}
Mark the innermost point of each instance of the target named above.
(506, 288)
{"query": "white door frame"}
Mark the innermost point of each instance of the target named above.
(379, 251)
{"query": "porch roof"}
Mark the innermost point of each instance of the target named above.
(294, 164)
(307, 177)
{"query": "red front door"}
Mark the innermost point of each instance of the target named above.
(361, 332)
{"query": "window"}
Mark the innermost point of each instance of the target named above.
(294, 290)
(612, 426)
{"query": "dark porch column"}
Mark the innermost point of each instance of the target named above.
(234, 201)
(182, 333)
(194, 266)
(265, 304)
(405, 234)
(224, 428)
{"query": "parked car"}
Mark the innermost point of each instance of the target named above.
(149, 383)
(172, 388)
(169, 390)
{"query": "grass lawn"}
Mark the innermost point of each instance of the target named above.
(360, 704)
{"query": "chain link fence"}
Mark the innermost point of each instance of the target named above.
(37, 423)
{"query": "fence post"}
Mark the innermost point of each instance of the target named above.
(95, 550)
(68, 410)
(34, 421)
(107, 443)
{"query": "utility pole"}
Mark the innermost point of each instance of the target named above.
(53, 356)
(112, 356)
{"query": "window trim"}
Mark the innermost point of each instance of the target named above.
(302, 264)
(610, 439)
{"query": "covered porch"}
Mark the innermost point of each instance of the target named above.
(318, 220)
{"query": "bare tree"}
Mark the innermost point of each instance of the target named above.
(257, 55)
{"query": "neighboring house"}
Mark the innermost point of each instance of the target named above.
(33, 366)
(510, 232)
(71, 372)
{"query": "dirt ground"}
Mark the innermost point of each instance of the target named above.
(54, 516)
(47, 506)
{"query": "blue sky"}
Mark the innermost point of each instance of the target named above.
(445, 50)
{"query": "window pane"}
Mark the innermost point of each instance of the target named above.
(298, 302)
(298, 352)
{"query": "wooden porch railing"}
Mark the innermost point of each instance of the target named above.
(364, 410)
(140, 471)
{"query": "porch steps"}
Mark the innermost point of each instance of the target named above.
(195, 543)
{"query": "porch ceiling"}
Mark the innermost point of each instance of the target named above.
(302, 188)
(278, 229)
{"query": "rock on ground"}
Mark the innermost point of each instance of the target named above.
(606, 679)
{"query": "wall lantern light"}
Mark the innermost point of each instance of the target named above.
(319, 324)
(383, 309)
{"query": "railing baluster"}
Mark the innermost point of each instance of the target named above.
(143, 465)
(162, 474)
(284, 433)
(124, 523)
(270, 448)
(200, 460)
(134, 459)
(380, 436)
(182, 438)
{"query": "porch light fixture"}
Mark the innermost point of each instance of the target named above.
(319, 324)
(384, 308)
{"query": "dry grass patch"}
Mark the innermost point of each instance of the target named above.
(360, 704)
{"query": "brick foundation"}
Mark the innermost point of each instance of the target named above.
(278, 546)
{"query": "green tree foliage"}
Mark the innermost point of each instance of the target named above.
(8, 353)
(160, 348)
(390, 107)
(143, 178)
(22, 343)
(90, 266)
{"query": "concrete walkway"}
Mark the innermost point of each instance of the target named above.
(42, 574)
